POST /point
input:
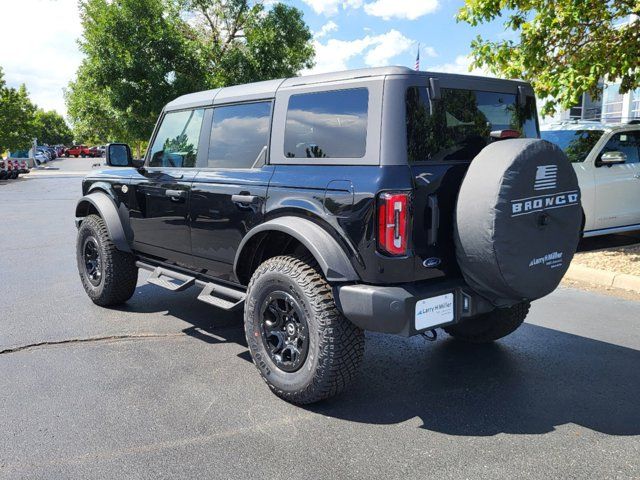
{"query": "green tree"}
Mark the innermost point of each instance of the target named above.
(17, 117)
(50, 128)
(140, 54)
(565, 46)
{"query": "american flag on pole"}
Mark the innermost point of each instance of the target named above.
(417, 67)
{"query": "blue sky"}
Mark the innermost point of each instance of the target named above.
(359, 33)
(347, 34)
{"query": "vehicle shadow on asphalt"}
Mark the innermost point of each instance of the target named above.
(209, 324)
(528, 383)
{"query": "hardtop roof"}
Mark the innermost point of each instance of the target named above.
(268, 89)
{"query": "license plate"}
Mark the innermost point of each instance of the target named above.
(434, 311)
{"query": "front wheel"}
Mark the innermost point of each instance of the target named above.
(491, 326)
(303, 347)
(108, 275)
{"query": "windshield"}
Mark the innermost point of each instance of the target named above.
(459, 125)
(575, 143)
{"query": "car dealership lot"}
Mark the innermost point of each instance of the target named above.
(164, 387)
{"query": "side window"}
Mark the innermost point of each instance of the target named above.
(240, 135)
(331, 124)
(627, 143)
(176, 144)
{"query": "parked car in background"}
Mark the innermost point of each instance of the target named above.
(23, 166)
(60, 150)
(96, 152)
(52, 151)
(78, 151)
(40, 158)
(13, 170)
(606, 159)
(46, 152)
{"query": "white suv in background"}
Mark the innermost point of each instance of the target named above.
(606, 159)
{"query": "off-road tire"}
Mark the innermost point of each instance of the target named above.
(335, 346)
(490, 326)
(119, 272)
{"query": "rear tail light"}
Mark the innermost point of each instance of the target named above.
(393, 218)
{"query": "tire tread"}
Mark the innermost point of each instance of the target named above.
(120, 274)
(341, 347)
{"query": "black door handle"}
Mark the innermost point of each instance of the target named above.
(175, 194)
(244, 199)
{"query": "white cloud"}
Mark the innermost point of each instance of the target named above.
(461, 64)
(39, 48)
(378, 50)
(332, 7)
(327, 28)
(404, 9)
(387, 46)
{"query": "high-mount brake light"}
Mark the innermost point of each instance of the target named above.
(392, 222)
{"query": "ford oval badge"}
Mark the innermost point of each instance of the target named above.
(432, 262)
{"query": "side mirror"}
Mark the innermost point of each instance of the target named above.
(118, 155)
(613, 158)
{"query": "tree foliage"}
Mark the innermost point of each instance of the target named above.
(140, 54)
(17, 117)
(50, 128)
(565, 46)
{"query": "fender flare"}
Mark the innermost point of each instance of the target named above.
(107, 209)
(330, 256)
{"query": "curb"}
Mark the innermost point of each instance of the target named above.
(623, 281)
(55, 173)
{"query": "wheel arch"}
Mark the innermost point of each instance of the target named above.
(289, 234)
(100, 203)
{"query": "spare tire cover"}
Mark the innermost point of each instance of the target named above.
(518, 220)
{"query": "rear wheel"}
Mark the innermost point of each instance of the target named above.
(303, 347)
(108, 275)
(490, 326)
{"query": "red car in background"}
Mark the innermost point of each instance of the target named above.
(78, 151)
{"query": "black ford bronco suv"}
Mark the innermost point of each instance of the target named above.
(380, 199)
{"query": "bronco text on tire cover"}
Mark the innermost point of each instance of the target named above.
(517, 220)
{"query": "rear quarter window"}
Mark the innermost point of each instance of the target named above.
(330, 124)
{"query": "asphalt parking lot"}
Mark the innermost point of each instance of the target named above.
(164, 386)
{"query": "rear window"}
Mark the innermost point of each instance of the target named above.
(330, 124)
(575, 143)
(459, 125)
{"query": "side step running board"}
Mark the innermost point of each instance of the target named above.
(214, 294)
(160, 275)
(222, 297)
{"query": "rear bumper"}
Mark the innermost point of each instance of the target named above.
(392, 309)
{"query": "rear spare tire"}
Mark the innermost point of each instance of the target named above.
(490, 326)
(518, 219)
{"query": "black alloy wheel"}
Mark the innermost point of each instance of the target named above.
(285, 332)
(92, 261)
